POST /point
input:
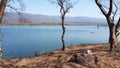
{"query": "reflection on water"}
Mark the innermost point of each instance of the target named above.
(26, 40)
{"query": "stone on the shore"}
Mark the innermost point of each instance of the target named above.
(84, 58)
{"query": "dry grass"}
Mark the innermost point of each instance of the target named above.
(59, 59)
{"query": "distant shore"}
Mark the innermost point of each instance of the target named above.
(107, 59)
(48, 24)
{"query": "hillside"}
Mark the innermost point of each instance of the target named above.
(11, 17)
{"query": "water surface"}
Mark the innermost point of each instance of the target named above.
(20, 41)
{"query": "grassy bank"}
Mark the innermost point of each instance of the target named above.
(61, 59)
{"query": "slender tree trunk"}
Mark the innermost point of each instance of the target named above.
(63, 33)
(3, 4)
(112, 37)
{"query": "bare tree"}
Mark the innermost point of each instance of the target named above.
(110, 12)
(65, 6)
(8, 3)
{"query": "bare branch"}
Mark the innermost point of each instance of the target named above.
(117, 27)
(118, 33)
(61, 4)
(15, 9)
(101, 7)
(20, 3)
(20, 14)
(114, 13)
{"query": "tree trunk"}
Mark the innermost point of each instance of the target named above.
(112, 37)
(3, 4)
(63, 33)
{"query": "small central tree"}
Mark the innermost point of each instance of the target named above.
(110, 11)
(65, 6)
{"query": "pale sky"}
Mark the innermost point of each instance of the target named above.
(86, 8)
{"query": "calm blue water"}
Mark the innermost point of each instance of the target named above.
(20, 41)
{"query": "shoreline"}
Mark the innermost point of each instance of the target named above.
(111, 59)
(39, 54)
(48, 24)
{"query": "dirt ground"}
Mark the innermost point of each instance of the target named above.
(60, 59)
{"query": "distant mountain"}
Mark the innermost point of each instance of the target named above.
(11, 17)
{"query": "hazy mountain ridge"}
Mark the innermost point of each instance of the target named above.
(12, 17)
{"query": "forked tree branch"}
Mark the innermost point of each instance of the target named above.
(114, 13)
(101, 7)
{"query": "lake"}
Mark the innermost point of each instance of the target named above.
(22, 41)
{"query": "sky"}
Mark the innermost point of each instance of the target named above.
(86, 8)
